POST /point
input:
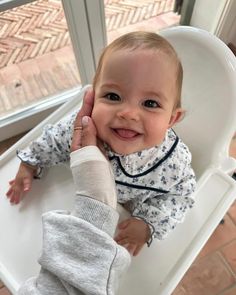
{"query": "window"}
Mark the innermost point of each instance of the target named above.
(38, 67)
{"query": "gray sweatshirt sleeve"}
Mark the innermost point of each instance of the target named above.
(79, 255)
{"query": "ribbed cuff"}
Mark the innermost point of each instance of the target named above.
(87, 153)
(97, 213)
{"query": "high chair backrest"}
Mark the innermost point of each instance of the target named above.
(208, 96)
(209, 99)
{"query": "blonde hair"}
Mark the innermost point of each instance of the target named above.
(144, 40)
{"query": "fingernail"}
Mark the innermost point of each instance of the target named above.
(85, 121)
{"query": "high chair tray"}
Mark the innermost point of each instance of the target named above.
(157, 270)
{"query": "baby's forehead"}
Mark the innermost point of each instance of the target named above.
(142, 48)
(168, 55)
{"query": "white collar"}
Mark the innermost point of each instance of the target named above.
(142, 161)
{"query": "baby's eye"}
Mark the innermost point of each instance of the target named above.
(112, 97)
(150, 103)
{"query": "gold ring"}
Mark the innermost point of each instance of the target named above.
(78, 128)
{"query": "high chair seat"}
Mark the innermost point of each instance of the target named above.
(209, 98)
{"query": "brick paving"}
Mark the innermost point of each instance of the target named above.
(123, 13)
(31, 30)
(40, 27)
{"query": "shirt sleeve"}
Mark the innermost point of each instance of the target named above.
(52, 147)
(164, 212)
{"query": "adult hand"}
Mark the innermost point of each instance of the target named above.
(84, 128)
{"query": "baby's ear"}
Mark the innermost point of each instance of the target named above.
(176, 116)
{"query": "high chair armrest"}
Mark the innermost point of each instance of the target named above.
(165, 262)
(229, 165)
(215, 193)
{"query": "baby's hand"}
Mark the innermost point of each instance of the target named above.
(21, 184)
(133, 234)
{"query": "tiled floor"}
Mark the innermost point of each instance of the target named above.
(214, 270)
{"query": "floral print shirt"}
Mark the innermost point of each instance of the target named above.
(155, 184)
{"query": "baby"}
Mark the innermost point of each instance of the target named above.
(137, 99)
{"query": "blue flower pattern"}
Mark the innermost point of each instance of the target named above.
(154, 184)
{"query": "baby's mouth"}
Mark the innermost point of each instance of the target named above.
(126, 133)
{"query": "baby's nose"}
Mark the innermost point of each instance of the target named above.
(129, 113)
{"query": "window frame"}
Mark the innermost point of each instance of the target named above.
(87, 37)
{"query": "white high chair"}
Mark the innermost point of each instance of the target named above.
(209, 96)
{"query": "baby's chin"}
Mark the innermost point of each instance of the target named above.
(124, 151)
(118, 150)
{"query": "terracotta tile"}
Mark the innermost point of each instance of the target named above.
(46, 61)
(65, 54)
(223, 234)
(231, 291)
(4, 291)
(232, 212)
(28, 68)
(154, 24)
(207, 276)
(10, 73)
(229, 253)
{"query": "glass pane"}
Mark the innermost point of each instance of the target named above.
(123, 16)
(36, 55)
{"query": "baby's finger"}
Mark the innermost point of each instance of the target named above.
(12, 198)
(137, 250)
(122, 241)
(123, 224)
(27, 184)
(120, 235)
(15, 199)
(16, 195)
(12, 181)
(9, 192)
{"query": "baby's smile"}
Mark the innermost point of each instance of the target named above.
(126, 134)
(134, 100)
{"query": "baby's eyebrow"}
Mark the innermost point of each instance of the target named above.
(153, 94)
(111, 85)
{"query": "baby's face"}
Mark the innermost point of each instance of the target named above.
(134, 100)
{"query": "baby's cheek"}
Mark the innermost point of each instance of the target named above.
(95, 116)
(96, 113)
